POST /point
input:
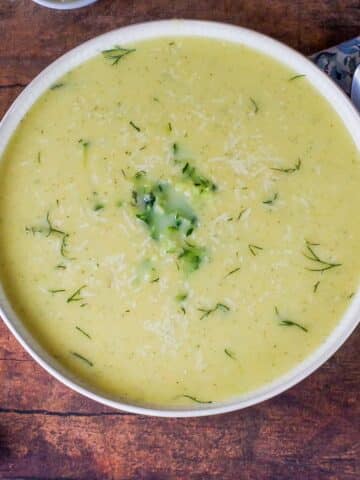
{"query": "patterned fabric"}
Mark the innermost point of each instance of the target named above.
(340, 62)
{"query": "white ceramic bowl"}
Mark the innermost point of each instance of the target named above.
(67, 5)
(144, 31)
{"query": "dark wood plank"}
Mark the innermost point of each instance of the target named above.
(49, 432)
(244, 445)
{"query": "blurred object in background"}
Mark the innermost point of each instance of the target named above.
(340, 62)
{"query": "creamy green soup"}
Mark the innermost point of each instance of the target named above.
(177, 221)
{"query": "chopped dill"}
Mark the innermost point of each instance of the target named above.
(241, 213)
(135, 126)
(39, 157)
(156, 99)
(57, 85)
(60, 267)
(295, 77)
(183, 310)
(119, 203)
(272, 200)
(207, 311)
(232, 272)
(323, 265)
(293, 169)
(83, 332)
(255, 105)
(316, 286)
(229, 353)
(194, 399)
(83, 305)
(254, 249)
(76, 296)
(81, 357)
(351, 295)
(56, 290)
(155, 280)
(284, 322)
(169, 127)
(116, 53)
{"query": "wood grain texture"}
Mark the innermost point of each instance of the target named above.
(48, 432)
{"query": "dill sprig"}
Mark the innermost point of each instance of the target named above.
(316, 286)
(83, 332)
(116, 53)
(323, 265)
(272, 200)
(208, 311)
(81, 357)
(64, 246)
(204, 184)
(232, 272)
(55, 86)
(293, 169)
(285, 322)
(76, 297)
(229, 353)
(56, 290)
(290, 323)
(138, 129)
(194, 399)
(51, 228)
(255, 105)
(254, 249)
(241, 213)
(295, 77)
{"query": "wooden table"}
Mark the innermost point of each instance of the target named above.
(50, 432)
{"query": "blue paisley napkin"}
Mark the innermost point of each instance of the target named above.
(340, 62)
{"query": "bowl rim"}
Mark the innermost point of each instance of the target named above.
(182, 28)
(70, 5)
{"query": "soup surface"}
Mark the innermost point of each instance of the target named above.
(177, 221)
